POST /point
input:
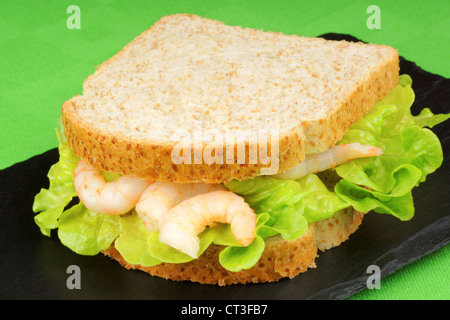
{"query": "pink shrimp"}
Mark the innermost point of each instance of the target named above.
(160, 197)
(328, 159)
(110, 198)
(182, 224)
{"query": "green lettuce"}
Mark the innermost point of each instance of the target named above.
(291, 204)
(283, 207)
(87, 232)
(132, 241)
(50, 203)
(410, 152)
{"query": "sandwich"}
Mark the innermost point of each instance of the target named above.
(227, 155)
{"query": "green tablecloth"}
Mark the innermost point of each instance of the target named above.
(43, 63)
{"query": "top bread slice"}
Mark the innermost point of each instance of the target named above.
(188, 74)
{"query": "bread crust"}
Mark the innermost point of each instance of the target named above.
(280, 259)
(153, 160)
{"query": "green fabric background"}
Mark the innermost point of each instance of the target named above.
(43, 63)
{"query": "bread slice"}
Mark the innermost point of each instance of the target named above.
(280, 259)
(188, 74)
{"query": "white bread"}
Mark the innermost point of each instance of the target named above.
(187, 70)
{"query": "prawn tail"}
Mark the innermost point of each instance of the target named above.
(243, 228)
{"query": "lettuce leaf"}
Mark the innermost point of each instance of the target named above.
(410, 153)
(426, 118)
(50, 203)
(132, 241)
(237, 258)
(291, 204)
(276, 197)
(86, 232)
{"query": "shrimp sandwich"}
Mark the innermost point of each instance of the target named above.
(224, 155)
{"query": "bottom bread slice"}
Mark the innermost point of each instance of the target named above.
(280, 259)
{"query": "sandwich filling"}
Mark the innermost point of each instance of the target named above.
(380, 159)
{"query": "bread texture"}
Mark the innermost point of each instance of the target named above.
(280, 259)
(188, 74)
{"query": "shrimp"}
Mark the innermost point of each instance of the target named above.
(110, 198)
(331, 158)
(160, 197)
(182, 224)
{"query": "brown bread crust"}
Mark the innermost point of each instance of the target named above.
(153, 161)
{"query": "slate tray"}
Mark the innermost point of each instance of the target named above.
(33, 266)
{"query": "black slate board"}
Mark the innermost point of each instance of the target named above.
(33, 266)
